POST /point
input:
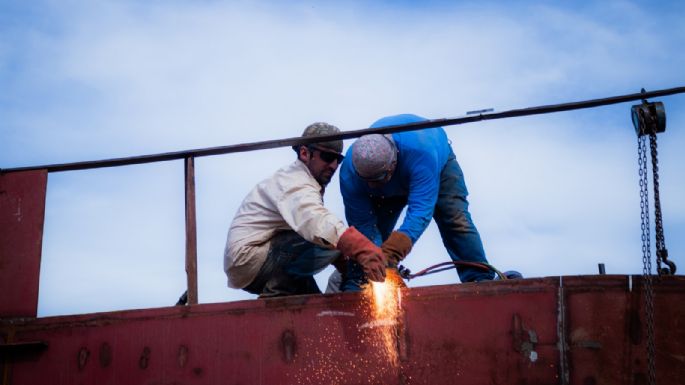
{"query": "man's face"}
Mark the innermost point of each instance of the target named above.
(321, 162)
(385, 177)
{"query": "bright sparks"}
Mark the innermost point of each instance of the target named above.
(386, 300)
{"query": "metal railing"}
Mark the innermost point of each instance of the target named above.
(189, 155)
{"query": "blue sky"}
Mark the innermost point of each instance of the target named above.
(551, 195)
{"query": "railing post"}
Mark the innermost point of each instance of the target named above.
(22, 214)
(191, 230)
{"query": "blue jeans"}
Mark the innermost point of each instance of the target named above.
(290, 266)
(459, 234)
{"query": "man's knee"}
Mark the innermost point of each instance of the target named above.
(455, 219)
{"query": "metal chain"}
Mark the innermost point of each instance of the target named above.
(646, 257)
(644, 206)
(660, 243)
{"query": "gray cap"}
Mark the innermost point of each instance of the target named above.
(373, 156)
(322, 128)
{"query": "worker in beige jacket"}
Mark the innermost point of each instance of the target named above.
(282, 234)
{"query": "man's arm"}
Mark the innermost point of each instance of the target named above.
(424, 184)
(302, 209)
(358, 209)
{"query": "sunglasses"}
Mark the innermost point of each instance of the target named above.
(327, 156)
(384, 176)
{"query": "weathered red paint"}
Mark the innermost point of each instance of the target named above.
(22, 212)
(191, 231)
(570, 330)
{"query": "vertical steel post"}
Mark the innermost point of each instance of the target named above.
(22, 214)
(191, 230)
(602, 269)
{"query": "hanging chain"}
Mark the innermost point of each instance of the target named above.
(646, 257)
(644, 206)
(658, 227)
(661, 251)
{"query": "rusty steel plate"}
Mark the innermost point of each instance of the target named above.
(556, 330)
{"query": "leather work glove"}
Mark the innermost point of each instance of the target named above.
(396, 247)
(355, 245)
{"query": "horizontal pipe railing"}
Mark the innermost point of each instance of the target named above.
(348, 134)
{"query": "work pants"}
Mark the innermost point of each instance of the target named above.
(290, 266)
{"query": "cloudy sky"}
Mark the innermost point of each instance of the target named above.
(551, 195)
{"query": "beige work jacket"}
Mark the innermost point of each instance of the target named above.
(289, 200)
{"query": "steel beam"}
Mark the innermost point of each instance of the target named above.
(22, 213)
(191, 231)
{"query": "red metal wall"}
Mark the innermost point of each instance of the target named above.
(584, 330)
(22, 211)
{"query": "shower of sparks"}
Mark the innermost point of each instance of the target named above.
(385, 299)
(331, 358)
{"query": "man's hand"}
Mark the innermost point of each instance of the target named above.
(355, 245)
(396, 247)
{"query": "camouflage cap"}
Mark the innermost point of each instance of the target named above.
(373, 156)
(322, 128)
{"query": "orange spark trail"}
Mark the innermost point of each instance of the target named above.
(385, 299)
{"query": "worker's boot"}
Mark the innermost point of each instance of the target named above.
(510, 274)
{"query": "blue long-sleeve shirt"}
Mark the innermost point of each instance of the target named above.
(420, 159)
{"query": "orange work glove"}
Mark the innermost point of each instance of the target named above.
(355, 245)
(396, 247)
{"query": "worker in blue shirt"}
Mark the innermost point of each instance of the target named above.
(416, 169)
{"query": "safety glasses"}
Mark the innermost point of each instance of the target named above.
(328, 156)
(383, 176)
